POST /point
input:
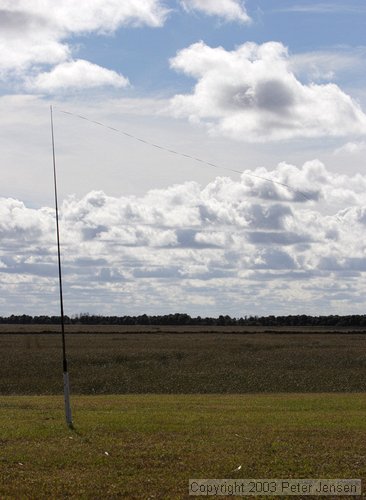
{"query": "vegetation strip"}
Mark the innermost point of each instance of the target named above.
(141, 446)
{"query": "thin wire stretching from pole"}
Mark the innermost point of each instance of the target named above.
(68, 414)
(184, 155)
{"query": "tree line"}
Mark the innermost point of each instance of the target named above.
(186, 319)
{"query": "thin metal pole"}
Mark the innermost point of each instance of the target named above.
(68, 414)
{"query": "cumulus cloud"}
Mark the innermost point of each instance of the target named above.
(210, 246)
(229, 10)
(18, 222)
(77, 74)
(36, 32)
(252, 94)
(27, 38)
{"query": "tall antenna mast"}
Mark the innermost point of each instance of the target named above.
(68, 414)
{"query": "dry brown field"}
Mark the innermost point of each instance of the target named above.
(165, 359)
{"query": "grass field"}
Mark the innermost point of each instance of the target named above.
(115, 360)
(148, 446)
(154, 407)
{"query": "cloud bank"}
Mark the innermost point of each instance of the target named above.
(252, 94)
(244, 246)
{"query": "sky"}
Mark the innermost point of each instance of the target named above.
(263, 209)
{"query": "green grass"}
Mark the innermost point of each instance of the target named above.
(155, 443)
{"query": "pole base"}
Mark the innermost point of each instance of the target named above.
(68, 414)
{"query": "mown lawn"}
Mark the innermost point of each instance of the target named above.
(148, 446)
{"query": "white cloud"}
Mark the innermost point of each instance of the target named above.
(225, 246)
(251, 94)
(19, 55)
(77, 74)
(229, 10)
(351, 148)
(36, 32)
(324, 8)
(17, 222)
(106, 15)
(66, 17)
(323, 65)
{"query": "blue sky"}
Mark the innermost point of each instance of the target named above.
(273, 89)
